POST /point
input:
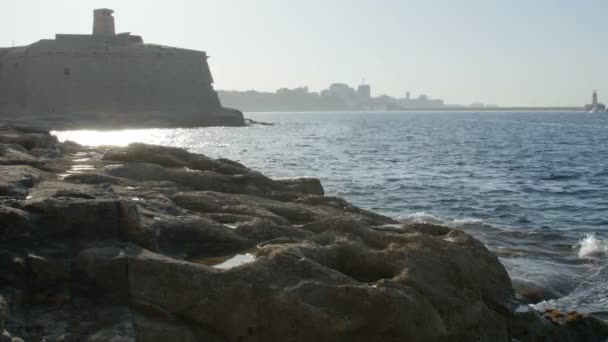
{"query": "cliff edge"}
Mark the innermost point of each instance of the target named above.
(153, 243)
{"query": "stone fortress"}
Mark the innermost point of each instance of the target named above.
(108, 80)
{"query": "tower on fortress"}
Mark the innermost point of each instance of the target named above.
(594, 99)
(103, 22)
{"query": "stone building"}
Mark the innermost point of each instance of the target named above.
(108, 80)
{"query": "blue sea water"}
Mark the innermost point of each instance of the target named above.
(533, 186)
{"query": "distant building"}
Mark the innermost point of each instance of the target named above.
(595, 106)
(295, 91)
(341, 90)
(338, 96)
(594, 99)
(422, 101)
(364, 91)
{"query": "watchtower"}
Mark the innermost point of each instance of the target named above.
(103, 22)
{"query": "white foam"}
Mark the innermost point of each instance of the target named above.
(591, 247)
(424, 217)
(468, 220)
(421, 217)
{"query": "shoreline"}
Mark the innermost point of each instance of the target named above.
(109, 232)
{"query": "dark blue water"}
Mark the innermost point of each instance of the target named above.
(532, 186)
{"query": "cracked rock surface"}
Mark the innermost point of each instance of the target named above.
(153, 243)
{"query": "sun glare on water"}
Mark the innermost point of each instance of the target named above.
(117, 138)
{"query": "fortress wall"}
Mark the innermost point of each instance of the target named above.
(13, 69)
(124, 81)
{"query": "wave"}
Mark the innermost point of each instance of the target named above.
(592, 248)
(421, 217)
(590, 296)
(560, 176)
(467, 223)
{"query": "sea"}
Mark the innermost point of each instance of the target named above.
(533, 186)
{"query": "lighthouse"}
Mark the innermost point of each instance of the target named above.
(595, 106)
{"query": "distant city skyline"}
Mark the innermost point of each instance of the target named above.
(509, 53)
(344, 97)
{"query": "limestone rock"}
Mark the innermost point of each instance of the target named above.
(28, 140)
(193, 236)
(15, 180)
(15, 224)
(174, 157)
(82, 212)
(311, 186)
(261, 230)
(145, 247)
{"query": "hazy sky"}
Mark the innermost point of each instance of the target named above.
(511, 52)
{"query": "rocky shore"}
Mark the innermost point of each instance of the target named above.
(152, 243)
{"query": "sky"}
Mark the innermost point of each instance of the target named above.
(509, 53)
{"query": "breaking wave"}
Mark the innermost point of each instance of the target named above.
(592, 248)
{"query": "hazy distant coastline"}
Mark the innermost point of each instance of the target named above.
(341, 97)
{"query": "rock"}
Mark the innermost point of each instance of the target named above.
(6, 337)
(171, 329)
(29, 141)
(174, 157)
(69, 147)
(323, 310)
(553, 325)
(105, 267)
(92, 178)
(14, 268)
(77, 216)
(15, 180)
(15, 224)
(410, 277)
(530, 293)
(212, 202)
(260, 230)
(229, 218)
(123, 253)
(193, 236)
(45, 153)
(9, 155)
(48, 270)
(3, 313)
(279, 212)
(138, 172)
(430, 229)
(341, 206)
(311, 186)
(120, 332)
(222, 166)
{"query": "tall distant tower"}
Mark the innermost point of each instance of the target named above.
(594, 100)
(103, 22)
(364, 91)
(407, 95)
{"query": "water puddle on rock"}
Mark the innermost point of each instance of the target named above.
(82, 162)
(228, 261)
